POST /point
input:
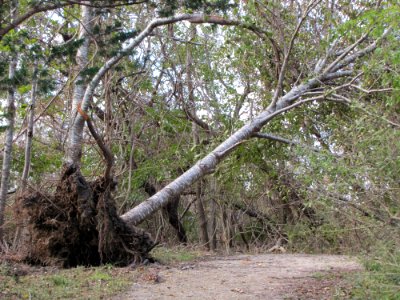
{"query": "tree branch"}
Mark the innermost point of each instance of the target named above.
(104, 149)
(274, 138)
(288, 51)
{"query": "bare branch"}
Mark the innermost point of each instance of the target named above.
(371, 91)
(346, 52)
(108, 156)
(20, 19)
(288, 51)
(274, 138)
(240, 103)
(351, 58)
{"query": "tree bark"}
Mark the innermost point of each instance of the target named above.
(213, 223)
(74, 150)
(29, 131)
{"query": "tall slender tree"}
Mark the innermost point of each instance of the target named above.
(7, 157)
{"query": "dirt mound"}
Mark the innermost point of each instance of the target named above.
(79, 225)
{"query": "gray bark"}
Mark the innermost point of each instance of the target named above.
(74, 150)
(7, 157)
(209, 162)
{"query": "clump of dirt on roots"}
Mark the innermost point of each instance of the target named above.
(79, 225)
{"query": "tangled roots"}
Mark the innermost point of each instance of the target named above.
(79, 225)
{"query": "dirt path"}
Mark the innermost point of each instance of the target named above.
(270, 276)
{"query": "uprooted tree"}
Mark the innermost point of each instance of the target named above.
(78, 223)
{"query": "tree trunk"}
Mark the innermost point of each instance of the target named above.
(227, 230)
(77, 121)
(202, 217)
(171, 210)
(173, 218)
(7, 157)
(28, 156)
(213, 223)
(29, 130)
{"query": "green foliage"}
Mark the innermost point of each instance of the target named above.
(68, 50)
(45, 160)
(326, 238)
(119, 37)
(168, 7)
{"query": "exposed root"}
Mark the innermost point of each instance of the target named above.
(79, 225)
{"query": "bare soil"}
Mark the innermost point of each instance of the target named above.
(269, 276)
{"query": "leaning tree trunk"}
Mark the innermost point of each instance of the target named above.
(324, 73)
(7, 156)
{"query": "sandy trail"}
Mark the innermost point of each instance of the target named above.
(269, 276)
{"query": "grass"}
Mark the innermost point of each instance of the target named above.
(76, 283)
(79, 283)
(319, 275)
(381, 278)
(176, 254)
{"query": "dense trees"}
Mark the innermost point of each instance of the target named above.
(291, 105)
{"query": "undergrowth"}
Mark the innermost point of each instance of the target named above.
(176, 254)
(381, 278)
